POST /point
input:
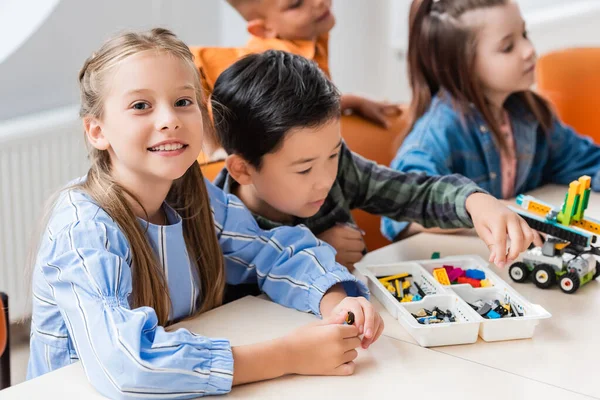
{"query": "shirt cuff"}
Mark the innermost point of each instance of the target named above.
(461, 204)
(221, 368)
(352, 286)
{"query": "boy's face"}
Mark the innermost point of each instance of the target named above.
(298, 19)
(296, 179)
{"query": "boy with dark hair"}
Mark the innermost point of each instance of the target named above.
(277, 116)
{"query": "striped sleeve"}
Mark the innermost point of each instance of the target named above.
(292, 267)
(124, 352)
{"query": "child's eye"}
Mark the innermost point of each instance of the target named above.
(305, 172)
(334, 156)
(295, 4)
(526, 35)
(183, 103)
(140, 106)
(508, 48)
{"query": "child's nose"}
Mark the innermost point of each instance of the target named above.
(168, 120)
(321, 3)
(529, 51)
(325, 183)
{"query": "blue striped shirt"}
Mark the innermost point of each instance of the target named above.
(82, 283)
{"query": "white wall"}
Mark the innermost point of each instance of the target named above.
(362, 58)
(367, 46)
(42, 73)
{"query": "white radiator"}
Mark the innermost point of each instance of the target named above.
(38, 154)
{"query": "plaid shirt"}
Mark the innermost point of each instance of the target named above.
(431, 201)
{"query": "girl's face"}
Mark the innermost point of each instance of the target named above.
(151, 123)
(505, 61)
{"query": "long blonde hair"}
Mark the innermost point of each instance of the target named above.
(188, 194)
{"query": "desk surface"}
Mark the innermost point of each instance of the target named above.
(390, 367)
(565, 350)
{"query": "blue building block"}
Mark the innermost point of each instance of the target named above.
(475, 274)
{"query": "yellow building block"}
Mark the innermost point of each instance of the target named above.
(486, 283)
(390, 288)
(441, 276)
(393, 277)
(406, 299)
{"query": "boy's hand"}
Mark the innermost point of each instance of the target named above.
(375, 111)
(347, 241)
(494, 222)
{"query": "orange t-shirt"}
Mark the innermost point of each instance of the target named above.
(212, 61)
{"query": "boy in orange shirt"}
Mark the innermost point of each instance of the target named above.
(295, 26)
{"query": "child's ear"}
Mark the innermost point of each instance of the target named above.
(239, 169)
(94, 133)
(258, 27)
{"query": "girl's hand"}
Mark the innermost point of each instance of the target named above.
(327, 347)
(366, 319)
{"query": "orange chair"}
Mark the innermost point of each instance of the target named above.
(377, 144)
(570, 80)
(4, 343)
(210, 170)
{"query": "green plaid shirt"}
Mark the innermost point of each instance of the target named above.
(432, 201)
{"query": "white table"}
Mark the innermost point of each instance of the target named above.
(565, 350)
(389, 369)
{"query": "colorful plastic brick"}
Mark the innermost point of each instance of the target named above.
(437, 316)
(394, 277)
(486, 283)
(495, 309)
(470, 281)
(441, 276)
(455, 274)
(475, 274)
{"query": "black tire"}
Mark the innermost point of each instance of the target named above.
(543, 276)
(569, 283)
(597, 274)
(518, 272)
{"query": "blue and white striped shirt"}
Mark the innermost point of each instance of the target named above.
(82, 282)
